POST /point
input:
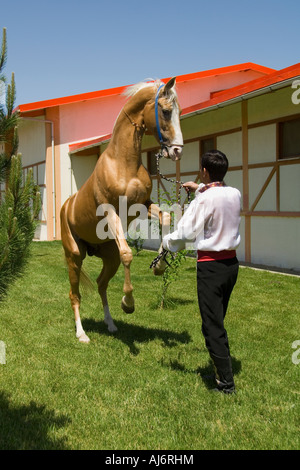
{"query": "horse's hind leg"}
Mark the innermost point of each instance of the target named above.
(74, 265)
(74, 253)
(111, 261)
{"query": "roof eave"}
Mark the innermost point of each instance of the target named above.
(232, 96)
(40, 105)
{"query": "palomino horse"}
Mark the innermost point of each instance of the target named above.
(119, 172)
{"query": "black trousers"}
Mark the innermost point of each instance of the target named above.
(215, 281)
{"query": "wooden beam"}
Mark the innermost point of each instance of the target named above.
(264, 187)
(271, 214)
(52, 114)
(245, 156)
(177, 178)
(277, 170)
(245, 161)
(161, 183)
(49, 183)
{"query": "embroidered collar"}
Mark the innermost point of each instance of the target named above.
(212, 185)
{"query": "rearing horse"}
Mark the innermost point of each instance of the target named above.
(119, 172)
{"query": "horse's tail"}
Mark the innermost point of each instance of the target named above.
(86, 281)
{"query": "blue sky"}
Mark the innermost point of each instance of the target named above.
(64, 47)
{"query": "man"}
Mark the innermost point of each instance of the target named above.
(212, 222)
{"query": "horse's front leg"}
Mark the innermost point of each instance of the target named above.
(115, 226)
(164, 218)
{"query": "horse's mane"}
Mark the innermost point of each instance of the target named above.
(133, 89)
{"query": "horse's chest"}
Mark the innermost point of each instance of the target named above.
(137, 191)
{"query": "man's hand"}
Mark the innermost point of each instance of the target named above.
(190, 186)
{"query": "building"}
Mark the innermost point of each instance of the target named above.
(250, 112)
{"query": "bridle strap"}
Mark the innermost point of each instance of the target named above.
(161, 140)
(156, 116)
(137, 126)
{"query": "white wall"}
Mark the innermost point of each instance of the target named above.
(65, 171)
(276, 241)
(262, 144)
(190, 157)
(82, 168)
(231, 145)
(290, 188)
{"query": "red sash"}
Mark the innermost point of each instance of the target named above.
(215, 255)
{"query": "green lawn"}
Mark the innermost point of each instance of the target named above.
(146, 386)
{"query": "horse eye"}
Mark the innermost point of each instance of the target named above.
(167, 114)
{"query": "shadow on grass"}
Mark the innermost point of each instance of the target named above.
(26, 427)
(132, 334)
(206, 373)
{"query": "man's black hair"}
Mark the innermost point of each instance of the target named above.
(216, 164)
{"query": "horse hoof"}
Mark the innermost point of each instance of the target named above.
(127, 309)
(111, 326)
(84, 338)
(112, 329)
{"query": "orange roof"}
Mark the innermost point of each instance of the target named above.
(88, 143)
(23, 108)
(222, 70)
(272, 78)
(246, 88)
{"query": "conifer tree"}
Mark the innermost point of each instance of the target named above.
(20, 199)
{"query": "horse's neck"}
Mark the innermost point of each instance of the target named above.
(129, 128)
(126, 140)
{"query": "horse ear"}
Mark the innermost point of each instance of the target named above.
(169, 85)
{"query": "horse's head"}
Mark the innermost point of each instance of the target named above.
(162, 119)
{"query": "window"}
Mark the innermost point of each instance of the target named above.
(289, 139)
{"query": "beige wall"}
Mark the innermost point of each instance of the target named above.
(262, 144)
(82, 168)
(211, 122)
(32, 140)
(32, 146)
(272, 105)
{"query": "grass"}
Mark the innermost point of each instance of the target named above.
(146, 386)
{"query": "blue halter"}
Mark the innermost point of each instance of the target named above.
(156, 116)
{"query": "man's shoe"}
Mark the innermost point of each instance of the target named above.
(227, 388)
(224, 375)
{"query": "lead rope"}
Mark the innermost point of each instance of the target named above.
(158, 156)
(163, 254)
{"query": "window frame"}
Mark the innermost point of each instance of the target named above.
(281, 152)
